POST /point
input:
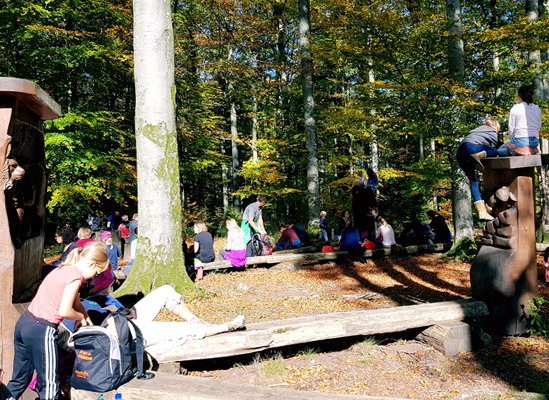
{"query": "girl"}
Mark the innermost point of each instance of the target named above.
(35, 345)
(478, 144)
(235, 250)
(524, 126)
(114, 255)
(203, 248)
(84, 237)
(386, 232)
(156, 332)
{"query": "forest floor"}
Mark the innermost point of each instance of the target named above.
(388, 366)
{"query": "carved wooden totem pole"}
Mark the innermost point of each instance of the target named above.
(504, 273)
(23, 108)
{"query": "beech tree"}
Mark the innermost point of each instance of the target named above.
(463, 217)
(313, 191)
(159, 259)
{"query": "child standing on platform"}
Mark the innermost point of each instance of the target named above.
(35, 344)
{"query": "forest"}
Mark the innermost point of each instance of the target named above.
(396, 85)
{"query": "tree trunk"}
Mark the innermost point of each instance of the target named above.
(224, 174)
(463, 217)
(234, 154)
(234, 139)
(159, 259)
(254, 127)
(313, 190)
(374, 156)
(535, 10)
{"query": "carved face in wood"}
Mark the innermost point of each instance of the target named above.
(15, 172)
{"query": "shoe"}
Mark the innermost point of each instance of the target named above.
(482, 213)
(476, 158)
(237, 323)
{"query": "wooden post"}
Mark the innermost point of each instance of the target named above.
(23, 108)
(504, 273)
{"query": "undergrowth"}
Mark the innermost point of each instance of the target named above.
(464, 250)
(538, 317)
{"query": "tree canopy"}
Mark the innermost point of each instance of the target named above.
(383, 94)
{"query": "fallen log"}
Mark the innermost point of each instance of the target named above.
(276, 334)
(284, 257)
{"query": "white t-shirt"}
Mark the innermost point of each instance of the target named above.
(524, 121)
(388, 235)
(235, 240)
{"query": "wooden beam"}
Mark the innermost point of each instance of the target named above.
(280, 257)
(277, 334)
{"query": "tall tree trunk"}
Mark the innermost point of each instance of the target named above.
(224, 175)
(313, 190)
(535, 10)
(254, 126)
(234, 154)
(374, 155)
(159, 259)
(463, 217)
(234, 140)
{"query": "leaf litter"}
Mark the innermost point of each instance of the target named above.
(390, 367)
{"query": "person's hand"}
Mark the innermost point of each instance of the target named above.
(86, 321)
(193, 320)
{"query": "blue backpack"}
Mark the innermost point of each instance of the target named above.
(104, 354)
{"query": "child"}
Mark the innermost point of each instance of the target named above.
(288, 240)
(323, 226)
(35, 337)
(361, 181)
(203, 248)
(113, 250)
(235, 250)
(373, 181)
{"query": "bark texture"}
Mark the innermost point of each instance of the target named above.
(463, 216)
(313, 190)
(159, 259)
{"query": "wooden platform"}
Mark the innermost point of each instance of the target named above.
(276, 334)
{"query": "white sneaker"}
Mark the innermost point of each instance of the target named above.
(237, 323)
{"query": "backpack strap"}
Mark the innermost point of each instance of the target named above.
(139, 351)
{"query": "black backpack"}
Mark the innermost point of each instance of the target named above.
(104, 354)
(260, 245)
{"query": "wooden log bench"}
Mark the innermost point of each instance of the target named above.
(282, 333)
(285, 257)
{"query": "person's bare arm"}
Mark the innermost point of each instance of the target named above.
(253, 225)
(261, 226)
(196, 247)
(78, 306)
(67, 305)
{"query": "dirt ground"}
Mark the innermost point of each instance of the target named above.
(392, 366)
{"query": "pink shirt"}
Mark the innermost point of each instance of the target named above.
(46, 303)
(103, 280)
(84, 242)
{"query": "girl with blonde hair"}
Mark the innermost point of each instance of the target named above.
(35, 338)
(84, 237)
(235, 250)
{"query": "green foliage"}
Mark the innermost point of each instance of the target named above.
(53, 250)
(538, 317)
(464, 250)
